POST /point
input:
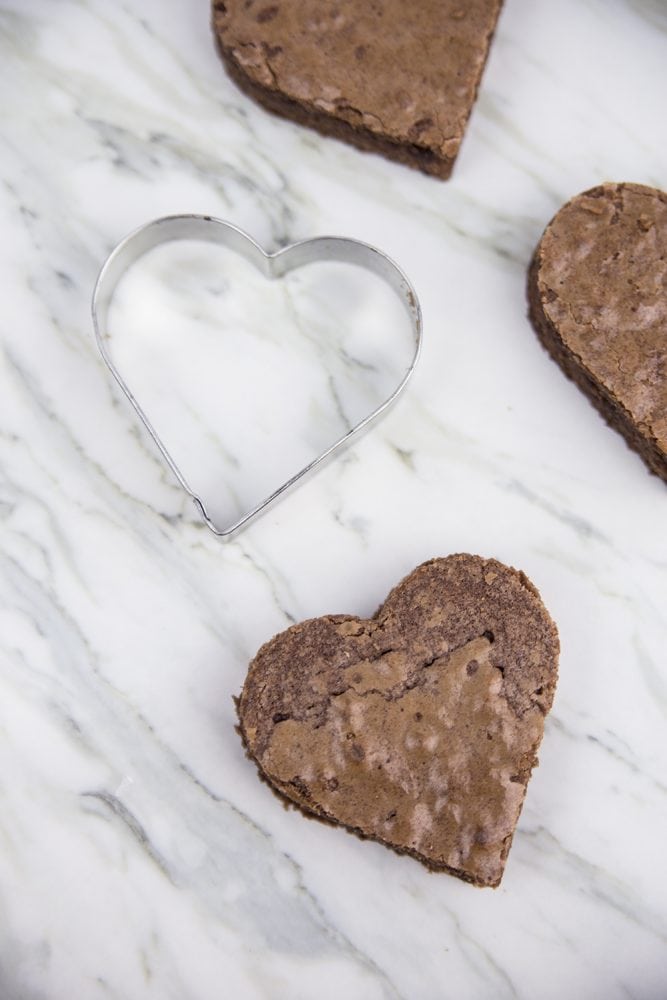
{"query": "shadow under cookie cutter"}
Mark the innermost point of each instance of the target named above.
(272, 265)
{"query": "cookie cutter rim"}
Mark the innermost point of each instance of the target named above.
(272, 265)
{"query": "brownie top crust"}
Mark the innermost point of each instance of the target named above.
(600, 272)
(418, 727)
(406, 72)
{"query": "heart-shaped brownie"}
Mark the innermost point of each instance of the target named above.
(395, 78)
(419, 727)
(597, 290)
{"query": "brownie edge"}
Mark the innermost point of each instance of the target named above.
(385, 78)
(597, 300)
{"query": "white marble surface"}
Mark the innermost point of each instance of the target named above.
(141, 857)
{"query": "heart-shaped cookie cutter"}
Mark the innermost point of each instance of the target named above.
(272, 265)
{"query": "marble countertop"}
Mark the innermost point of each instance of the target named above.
(141, 857)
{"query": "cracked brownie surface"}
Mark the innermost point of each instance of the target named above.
(399, 79)
(597, 292)
(419, 727)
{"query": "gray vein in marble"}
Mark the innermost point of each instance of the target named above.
(656, 681)
(321, 349)
(609, 743)
(116, 807)
(359, 525)
(132, 152)
(118, 726)
(405, 456)
(50, 411)
(632, 766)
(583, 528)
(654, 11)
(389, 987)
(270, 576)
(598, 884)
(494, 977)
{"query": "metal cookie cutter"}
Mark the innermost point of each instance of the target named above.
(271, 265)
